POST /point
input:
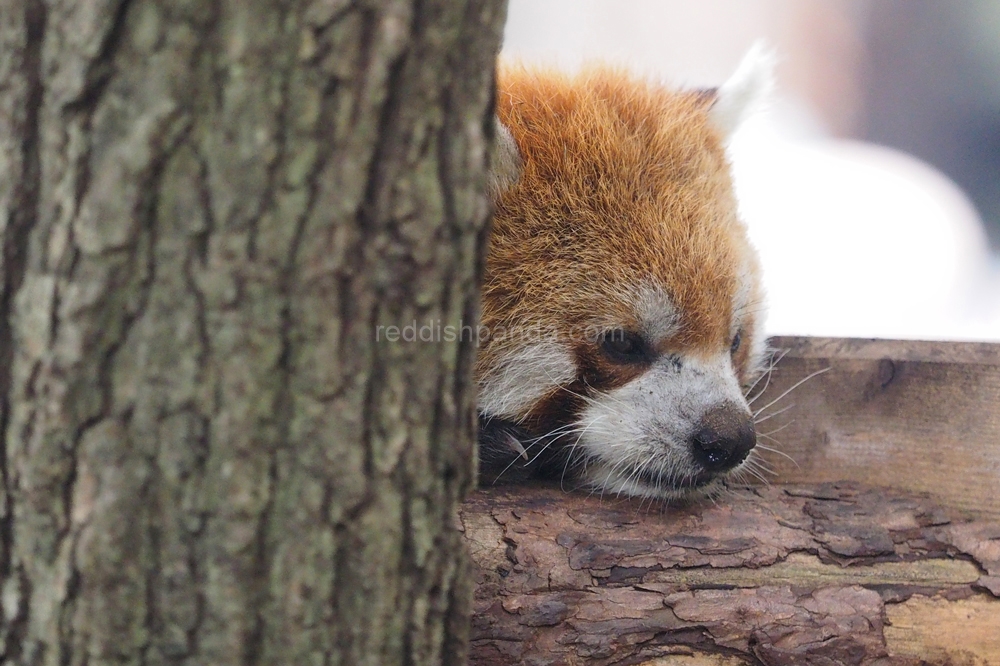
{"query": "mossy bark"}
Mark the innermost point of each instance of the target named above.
(206, 208)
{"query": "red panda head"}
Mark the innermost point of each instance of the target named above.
(622, 305)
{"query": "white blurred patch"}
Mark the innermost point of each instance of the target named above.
(860, 240)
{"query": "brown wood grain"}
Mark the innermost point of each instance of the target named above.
(826, 575)
(914, 415)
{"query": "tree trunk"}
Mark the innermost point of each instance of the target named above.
(207, 208)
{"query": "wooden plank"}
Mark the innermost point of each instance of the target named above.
(914, 415)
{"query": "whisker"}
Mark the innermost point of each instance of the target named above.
(766, 375)
(757, 475)
(792, 388)
(773, 450)
(759, 464)
(738, 477)
(551, 436)
(770, 438)
(636, 471)
(776, 430)
(572, 448)
(568, 428)
(773, 414)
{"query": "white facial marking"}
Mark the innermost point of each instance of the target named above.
(743, 308)
(523, 376)
(505, 161)
(658, 319)
(641, 430)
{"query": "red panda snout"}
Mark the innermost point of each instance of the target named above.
(680, 425)
(724, 438)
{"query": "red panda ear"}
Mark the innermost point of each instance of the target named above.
(505, 161)
(749, 87)
(705, 96)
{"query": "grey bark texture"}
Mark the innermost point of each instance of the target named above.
(206, 207)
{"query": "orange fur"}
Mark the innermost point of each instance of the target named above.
(623, 184)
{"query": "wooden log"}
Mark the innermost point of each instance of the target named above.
(885, 550)
(921, 416)
(824, 574)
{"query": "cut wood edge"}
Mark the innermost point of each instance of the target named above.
(937, 630)
(926, 351)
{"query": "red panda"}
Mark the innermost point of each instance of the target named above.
(622, 303)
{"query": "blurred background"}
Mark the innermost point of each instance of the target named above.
(871, 183)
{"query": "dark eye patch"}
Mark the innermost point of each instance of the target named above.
(737, 341)
(625, 347)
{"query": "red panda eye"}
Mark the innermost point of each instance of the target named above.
(737, 339)
(624, 347)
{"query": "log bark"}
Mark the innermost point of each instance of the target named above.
(826, 574)
(205, 210)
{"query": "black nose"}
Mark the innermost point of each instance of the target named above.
(723, 438)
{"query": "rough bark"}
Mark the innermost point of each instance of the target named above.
(206, 209)
(824, 575)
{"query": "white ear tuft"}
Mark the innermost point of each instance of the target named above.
(505, 161)
(746, 90)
